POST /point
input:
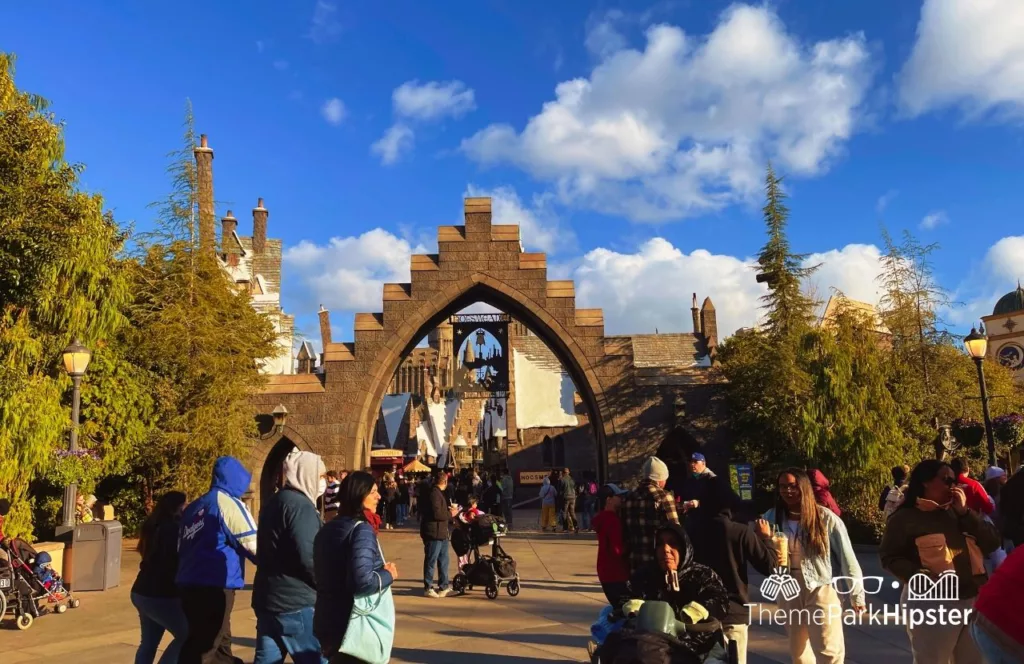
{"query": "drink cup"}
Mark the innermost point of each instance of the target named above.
(781, 545)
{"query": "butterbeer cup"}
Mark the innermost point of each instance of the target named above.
(781, 549)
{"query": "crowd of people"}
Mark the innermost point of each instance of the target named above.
(321, 591)
(683, 547)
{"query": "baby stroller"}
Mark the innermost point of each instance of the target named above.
(21, 591)
(489, 571)
(652, 636)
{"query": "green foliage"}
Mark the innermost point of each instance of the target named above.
(60, 278)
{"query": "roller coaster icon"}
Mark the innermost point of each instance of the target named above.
(946, 588)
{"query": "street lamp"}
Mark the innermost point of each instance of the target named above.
(280, 415)
(76, 361)
(977, 345)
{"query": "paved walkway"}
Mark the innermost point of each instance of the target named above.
(549, 620)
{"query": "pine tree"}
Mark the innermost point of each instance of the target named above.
(787, 309)
(60, 278)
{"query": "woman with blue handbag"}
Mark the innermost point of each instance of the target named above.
(355, 613)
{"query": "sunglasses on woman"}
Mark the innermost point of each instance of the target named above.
(949, 481)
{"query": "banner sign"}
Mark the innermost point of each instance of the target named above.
(741, 477)
(480, 342)
(532, 477)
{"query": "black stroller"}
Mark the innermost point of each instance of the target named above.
(489, 571)
(21, 591)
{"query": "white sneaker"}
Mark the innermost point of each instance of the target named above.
(430, 592)
(444, 593)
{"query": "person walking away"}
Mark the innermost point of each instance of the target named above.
(284, 590)
(612, 567)
(1011, 510)
(998, 628)
(434, 532)
(645, 510)
(404, 497)
(491, 497)
(995, 478)
(217, 536)
(728, 548)
(695, 487)
(349, 563)
(934, 532)
(977, 498)
(154, 594)
(567, 489)
(389, 494)
(548, 495)
(330, 499)
(556, 482)
(507, 495)
(815, 537)
(822, 494)
(892, 496)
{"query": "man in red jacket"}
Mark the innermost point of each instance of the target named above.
(998, 629)
(977, 497)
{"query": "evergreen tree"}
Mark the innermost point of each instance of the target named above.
(199, 337)
(787, 309)
(60, 278)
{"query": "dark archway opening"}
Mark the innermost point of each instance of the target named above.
(272, 476)
(486, 294)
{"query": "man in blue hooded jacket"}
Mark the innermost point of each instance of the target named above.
(217, 534)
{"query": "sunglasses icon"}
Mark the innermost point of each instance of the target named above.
(846, 585)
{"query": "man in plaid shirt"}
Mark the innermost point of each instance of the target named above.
(644, 511)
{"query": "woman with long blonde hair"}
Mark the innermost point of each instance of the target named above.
(814, 537)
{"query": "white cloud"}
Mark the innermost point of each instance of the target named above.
(968, 54)
(603, 36)
(885, 199)
(348, 273)
(333, 111)
(933, 220)
(685, 126)
(395, 142)
(652, 288)
(324, 26)
(432, 100)
(539, 227)
(998, 274)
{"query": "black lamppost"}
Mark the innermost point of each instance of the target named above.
(76, 360)
(977, 345)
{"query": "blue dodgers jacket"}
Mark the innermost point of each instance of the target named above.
(217, 532)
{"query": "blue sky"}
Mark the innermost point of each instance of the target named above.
(628, 139)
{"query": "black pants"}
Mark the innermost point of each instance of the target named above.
(208, 612)
(615, 591)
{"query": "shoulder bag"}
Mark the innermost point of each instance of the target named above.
(371, 625)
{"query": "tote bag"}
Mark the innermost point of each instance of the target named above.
(371, 625)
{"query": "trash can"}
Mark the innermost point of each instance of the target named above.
(96, 555)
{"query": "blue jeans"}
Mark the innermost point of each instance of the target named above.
(587, 514)
(435, 554)
(403, 513)
(991, 651)
(158, 615)
(278, 634)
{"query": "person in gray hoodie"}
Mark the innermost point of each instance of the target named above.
(284, 591)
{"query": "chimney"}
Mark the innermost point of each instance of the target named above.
(709, 325)
(204, 181)
(259, 227)
(325, 327)
(695, 313)
(228, 246)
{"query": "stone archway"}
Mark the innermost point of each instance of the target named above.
(264, 461)
(336, 409)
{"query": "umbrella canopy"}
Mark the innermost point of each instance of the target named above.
(415, 466)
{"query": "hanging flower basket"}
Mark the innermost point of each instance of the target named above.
(81, 467)
(968, 432)
(1009, 429)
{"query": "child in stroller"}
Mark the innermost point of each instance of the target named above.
(489, 571)
(22, 588)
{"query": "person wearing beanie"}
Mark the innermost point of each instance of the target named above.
(644, 511)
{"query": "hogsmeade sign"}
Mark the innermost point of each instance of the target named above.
(481, 349)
